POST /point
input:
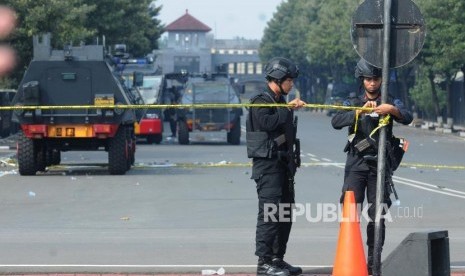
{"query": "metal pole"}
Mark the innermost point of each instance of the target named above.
(382, 142)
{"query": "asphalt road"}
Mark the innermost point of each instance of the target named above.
(179, 211)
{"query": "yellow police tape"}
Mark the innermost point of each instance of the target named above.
(223, 164)
(310, 164)
(214, 106)
(175, 106)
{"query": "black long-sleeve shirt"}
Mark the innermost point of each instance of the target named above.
(273, 120)
(366, 124)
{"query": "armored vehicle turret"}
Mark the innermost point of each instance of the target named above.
(74, 76)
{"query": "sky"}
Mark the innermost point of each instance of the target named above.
(227, 18)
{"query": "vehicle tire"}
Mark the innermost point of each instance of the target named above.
(26, 155)
(130, 147)
(183, 133)
(234, 135)
(118, 152)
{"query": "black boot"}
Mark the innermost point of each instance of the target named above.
(266, 267)
(293, 270)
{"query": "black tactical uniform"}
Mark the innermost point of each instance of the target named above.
(273, 173)
(361, 166)
(271, 176)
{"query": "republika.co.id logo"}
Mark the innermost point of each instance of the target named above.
(331, 212)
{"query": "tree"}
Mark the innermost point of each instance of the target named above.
(133, 23)
(443, 51)
(64, 19)
(76, 21)
(328, 41)
(285, 36)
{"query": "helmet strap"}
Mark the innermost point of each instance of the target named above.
(281, 90)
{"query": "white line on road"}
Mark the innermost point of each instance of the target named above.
(397, 178)
(428, 189)
(414, 183)
(146, 266)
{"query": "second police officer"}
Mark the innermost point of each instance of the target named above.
(271, 142)
(362, 146)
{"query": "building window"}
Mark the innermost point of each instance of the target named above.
(250, 66)
(231, 69)
(221, 51)
(241, 68)
(240, 52)
(258, 68)
(231, 52)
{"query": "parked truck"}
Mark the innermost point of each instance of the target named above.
(74, 76)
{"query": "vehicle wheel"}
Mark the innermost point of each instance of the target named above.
(133, 151)
(183, 133)
(118, 152)
(26, 156)
(234, 135)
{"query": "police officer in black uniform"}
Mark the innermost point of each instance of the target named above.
(270, 142)
(362, 145)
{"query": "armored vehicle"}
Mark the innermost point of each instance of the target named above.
(139, 74)
(75, 76)
(208, 89)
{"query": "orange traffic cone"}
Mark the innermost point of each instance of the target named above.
(350, 256)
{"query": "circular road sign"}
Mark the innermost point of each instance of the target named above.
(408, 32)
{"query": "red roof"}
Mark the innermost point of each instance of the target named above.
(187, 23)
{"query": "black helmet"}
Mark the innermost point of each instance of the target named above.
(280, 69)
(364, 69)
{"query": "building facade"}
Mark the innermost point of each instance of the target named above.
(190, 47)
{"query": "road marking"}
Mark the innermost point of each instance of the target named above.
(414, 183)
(147, 266)
(435, 189)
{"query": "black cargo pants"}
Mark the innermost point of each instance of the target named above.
(273, 226)
(358, 182)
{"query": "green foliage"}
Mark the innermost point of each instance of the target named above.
(285, 35)
(329, 40)
(133, 23)
(421, 94)
(445, 44)
(76, 21)
(317, 35)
